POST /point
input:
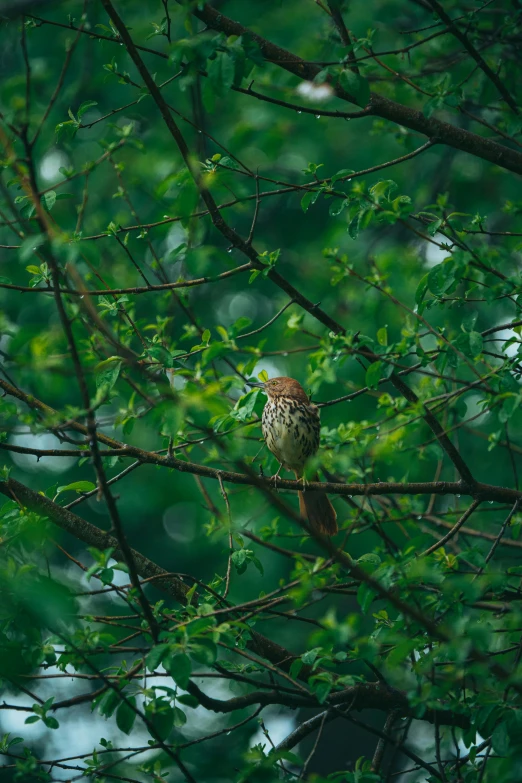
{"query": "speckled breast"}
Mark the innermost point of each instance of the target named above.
(291, 431)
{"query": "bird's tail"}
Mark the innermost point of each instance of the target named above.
(316, 507)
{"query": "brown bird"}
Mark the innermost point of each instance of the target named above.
(291, 426)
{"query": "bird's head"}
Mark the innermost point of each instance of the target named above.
(281, 387)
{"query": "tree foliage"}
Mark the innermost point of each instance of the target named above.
(193, 197)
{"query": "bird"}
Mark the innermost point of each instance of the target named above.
(291, 425)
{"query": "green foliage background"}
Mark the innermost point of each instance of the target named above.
(403, 259)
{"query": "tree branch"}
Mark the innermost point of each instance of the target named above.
(380, 106)
(477, 490)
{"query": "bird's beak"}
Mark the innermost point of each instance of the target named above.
(256, 384)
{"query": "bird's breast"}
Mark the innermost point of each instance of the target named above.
(291, 431)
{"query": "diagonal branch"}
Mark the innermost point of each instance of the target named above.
(476, 490)
(454, 530)
(462, 37)
(92, 535)
(245, 247)
(28, 182)
(380, 106)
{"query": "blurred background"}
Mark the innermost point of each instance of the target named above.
(110, 162)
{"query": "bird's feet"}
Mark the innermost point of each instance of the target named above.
(276, 476)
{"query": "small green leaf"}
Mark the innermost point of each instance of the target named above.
(295, 668)
(156, 655)
(85, 106)
(356, 86)
(365, 596)
(188, 700)
(77, 486)
(475, 343)
(422, 288)
(107, 373)
(180, 669)
(441, 277)
(49, 200)
(337, 206)
(204, 651)
(322, 691)
(179, 717)
(162, 722)
(382, 336)
(159, 353)
(374, 374)
(309, 198)
(500, 739)
(221, 73)
(310, 655)
(109, 703)
(125, 715)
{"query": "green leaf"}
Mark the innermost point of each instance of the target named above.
(376, 372)
(309, 198)
(370, 557)
(125, 715)
(188, 700)
(67, 129)
(365, 596)
(434, 227)
(475, 343)
(159, 353)
(382, 189)
(109, 703)
(469, 321)
(337, 206)
(107, 373)
(221, 74)
(356, 86)
(162, 722)
(509, 406)
(213, 352)
(49, 200)
(241, 323)
(500, 739)
(29, 246)
(106, 575)
(310, 656)
(441, 277)
(84, 107)
(322, 690)
(204, 651)
(422, 288)
(77, 486)
(342, 174)
(179, 718)
(295, 668)
(180, 669)
(244, 407)
(156, 655)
